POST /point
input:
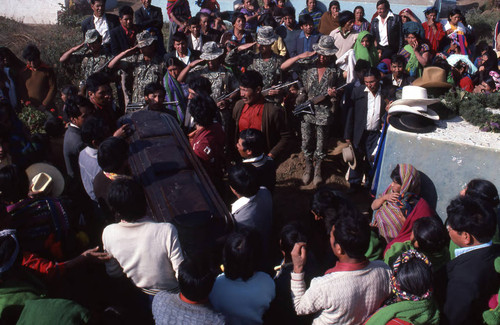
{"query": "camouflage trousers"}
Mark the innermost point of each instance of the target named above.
(314, 140)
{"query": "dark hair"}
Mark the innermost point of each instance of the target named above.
(127, 198)
(73, 104)
(414, 276)
(200, 84)
(484, 190)
(362, 66)
(345, 17)
(472, 216)
(308, 1)
(239, 16)
(254, 140)
(69, 90)
(196, 278)
(383, 2)
(241, 254)
(96, 80)
(54, 127)
(14, 183)
(94, 129)
(112, 154)
(242, 178)
(153, 87)
(306, 20)
(333, 3)
(94, 1)
(31, 53)
(194, 21)
(176, 62)
(352, 233)
(430, 10)
(251, 79)
(397, 58)
(372, 72)
(203, 110)
(431, 234)
(125, 10)
(323, 199)
(359, 7)
(267, 20)
(453, 12)
(291, 234)
(179, 37)
(289, 11)
(490, 82)
(396, 178)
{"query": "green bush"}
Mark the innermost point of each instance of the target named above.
(483, 23)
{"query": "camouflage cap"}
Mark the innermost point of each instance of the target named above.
(145, 38)
(266, 35)
(325, 46)
(91, 36)
(211, 51)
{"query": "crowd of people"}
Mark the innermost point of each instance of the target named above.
(77, 244)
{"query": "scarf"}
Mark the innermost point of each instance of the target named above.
(175, 93)
(415, 312)
(362, 53)
(412, 65)
(391, 216)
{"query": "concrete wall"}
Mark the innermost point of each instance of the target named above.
(37, 11)
(445, 166)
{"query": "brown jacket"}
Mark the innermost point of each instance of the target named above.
(273, 126)
(38, 86)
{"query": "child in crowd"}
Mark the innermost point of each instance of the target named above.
(411, 285)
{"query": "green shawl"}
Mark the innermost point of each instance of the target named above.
(438, 259)
(362, 53)
(375, 250)
(415, 312)
(412, 66)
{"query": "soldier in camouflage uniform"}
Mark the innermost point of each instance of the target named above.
(93, 56)
(222, 79)
(146, 67)
(320, 77)
(266, 62)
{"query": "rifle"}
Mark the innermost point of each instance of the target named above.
(132, 107)
(227, 95)
(307, 107)
(278, 86)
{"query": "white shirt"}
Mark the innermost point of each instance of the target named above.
(463, 250)
(382, 28)
(185, 59)
(101, 25)
(239, 203)
(373, 112)
(197, 44)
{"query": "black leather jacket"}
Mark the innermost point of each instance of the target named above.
(394, 31)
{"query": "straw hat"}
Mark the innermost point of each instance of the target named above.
(46, 178)
(434, 77)
(349, 156)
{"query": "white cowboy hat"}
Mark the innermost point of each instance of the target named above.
(46, 178)
(414, 100)
(349, 156)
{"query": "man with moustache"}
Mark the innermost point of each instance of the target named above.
(252, 111)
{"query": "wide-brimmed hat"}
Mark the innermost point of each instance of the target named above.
(145, 38)
(349, 156)
(266, 35)
(46, 178)
(414, 100)
(410, 122)
(91, 36)
(211, 51)
(325, 46)
(432, 77)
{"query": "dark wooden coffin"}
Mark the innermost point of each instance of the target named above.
(177, 187)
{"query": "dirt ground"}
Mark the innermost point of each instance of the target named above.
(292, 199)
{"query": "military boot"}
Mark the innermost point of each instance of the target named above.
(306, 178)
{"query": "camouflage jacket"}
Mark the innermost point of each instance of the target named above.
(89, 62)
(223, 80)
(270, 69)
(143, 73)
(308, 75)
